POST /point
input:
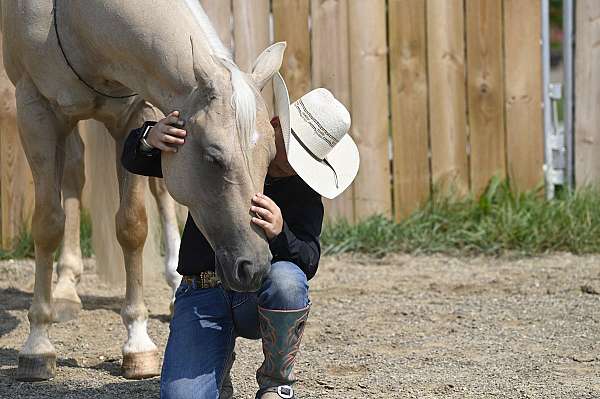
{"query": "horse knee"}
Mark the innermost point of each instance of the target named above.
(132, 226)
(48, 226)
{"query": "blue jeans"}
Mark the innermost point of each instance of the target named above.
(206, 323)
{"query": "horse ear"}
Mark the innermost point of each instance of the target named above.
(267, 64)
(202, 65)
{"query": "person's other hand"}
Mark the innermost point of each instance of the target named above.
(166, 137)
(268, 215)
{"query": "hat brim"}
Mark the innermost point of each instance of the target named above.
(344, 157)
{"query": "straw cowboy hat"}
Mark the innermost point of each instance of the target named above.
(315, 131)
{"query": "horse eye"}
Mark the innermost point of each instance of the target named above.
(214, 157)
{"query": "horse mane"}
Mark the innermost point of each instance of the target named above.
(243, 100)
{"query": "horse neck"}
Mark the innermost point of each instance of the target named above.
(134, 44)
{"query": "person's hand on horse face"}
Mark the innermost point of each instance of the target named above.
(268, 215)
(166, 137)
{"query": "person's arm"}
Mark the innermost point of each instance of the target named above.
(138, 160)
(296, 240)
(143, 147)
(301, 247)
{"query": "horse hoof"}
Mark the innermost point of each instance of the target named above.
(137, 366)
(36, 367)
(64, 310)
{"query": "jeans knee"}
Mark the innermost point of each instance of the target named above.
(284, 288)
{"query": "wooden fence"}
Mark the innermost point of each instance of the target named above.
(451, 89)
(442, 92)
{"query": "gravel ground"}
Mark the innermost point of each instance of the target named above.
(401, 327)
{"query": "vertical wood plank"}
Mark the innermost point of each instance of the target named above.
(523, 79)
(448, 125)
(251, 34)
(485, 92)
(408, 74)
(16, 186)
(587, 90)
(369, 83)
(331, 69)
(220, 14)
(291, 19)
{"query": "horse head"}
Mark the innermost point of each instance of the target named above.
(224, 162)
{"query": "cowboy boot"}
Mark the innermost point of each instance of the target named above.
(281, 332)
(226, 391)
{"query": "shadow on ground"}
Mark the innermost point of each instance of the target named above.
(58, 389)
(13, 299)
(51, 389)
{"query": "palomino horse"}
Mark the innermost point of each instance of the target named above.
(78, 60)
(67, 304)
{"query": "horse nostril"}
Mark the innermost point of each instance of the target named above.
(243, 270)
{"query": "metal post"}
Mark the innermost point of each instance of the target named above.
(546, 95)
(568, 62)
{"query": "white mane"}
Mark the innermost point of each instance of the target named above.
(243, 100)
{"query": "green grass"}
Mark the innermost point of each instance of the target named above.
(24, 245)
(498, 222)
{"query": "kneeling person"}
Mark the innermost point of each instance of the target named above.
(315, 156)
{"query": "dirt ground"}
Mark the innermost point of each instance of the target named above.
(401, 327)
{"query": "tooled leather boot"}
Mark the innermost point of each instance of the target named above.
(281, 332)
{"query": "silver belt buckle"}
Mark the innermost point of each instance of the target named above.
(285, 391)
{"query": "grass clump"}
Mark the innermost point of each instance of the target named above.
(24, 246)
(499, 221)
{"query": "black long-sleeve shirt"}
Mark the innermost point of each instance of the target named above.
(300, 205)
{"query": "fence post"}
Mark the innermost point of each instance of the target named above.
(369, 83)
(331, 69)
(447, 99)
(219, 12)
(291, 25)
(410, 133)
(485, 92)
(523, 80)
(251, 35)
(587, 91)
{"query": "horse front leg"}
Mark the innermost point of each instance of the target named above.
(67, 303)
(140, 355)
(171, 236)
(43, 138)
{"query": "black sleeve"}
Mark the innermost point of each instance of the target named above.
(301, 245)
(137, 161)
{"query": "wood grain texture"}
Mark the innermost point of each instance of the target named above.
(16, 181)
(447, 95)
(370, 128)
(523, 80)
(587, 91)
(291, 18)
(251, 36)
(220, 14)
(485, 92)
(331, 69)
(408, 63)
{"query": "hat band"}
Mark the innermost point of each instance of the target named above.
(326, 141)
(323, 161)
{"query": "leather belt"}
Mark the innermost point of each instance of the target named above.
(202, 280)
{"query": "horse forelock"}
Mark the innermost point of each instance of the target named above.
(243, 99)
